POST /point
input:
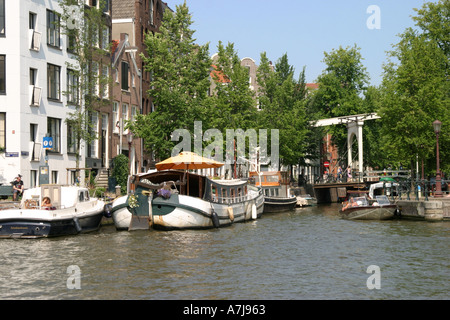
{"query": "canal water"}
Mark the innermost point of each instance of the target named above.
(307, 253)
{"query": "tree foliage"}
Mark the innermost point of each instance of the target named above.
(283, 107)
(341, 87)
(180, 81)
(416, 89)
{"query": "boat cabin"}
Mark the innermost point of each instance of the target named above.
(273, 183)
(61, 197)
(190, 184)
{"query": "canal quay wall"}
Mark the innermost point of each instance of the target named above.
(429, 210)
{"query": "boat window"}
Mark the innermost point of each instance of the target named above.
(239, 194)
(277, 192)
(213, 193)
(232, 196)
(81, 196)
(267, 192)
(224, 195)
(272, 178)
(86, 195)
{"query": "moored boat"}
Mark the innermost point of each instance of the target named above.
(275, 186)
(72, 211)
(171, 199)
(359, 208)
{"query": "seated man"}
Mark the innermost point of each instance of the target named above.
(17, 187)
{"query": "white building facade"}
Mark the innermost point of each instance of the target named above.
(33, 103)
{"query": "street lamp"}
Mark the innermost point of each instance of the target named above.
(437, 128)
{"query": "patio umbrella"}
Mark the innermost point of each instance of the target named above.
(188, 161)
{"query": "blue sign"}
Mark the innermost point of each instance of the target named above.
(11, 154)
(48, 143)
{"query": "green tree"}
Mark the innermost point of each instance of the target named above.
(234, 98)
(180, 81)
(415, 93)
(416, 90)
(283, 107)
(341, 86)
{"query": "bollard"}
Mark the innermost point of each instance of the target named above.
(117, 191)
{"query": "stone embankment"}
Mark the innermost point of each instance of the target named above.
(431, 210)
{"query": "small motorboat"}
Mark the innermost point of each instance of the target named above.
(71, 211)
(359, 208)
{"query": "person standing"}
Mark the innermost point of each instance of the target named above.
(17, 187)
(339, 172)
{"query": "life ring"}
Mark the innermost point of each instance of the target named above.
(215, 219)
(254, 212)
(230, 213)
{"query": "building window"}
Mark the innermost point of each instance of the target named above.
(93, 146)
(125, 68)
(54, 177)
(33, 139)
(54, 131)
(33, 178)
(2, 17)
(72, 143)
(72, 86)
(53, 81)
(133, 113)
(125, 116)
(32, 17)
(2, 130)
(2, 74)
(106, 6)
(105, 38)
(151, 12)
(53, 35)
(115, 116)
(104, 82)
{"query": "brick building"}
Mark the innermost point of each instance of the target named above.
(133, 18)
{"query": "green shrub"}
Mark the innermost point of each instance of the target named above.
(120, 171)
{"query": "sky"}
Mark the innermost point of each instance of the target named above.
(303, 29)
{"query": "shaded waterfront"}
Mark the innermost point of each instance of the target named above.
(309, 253)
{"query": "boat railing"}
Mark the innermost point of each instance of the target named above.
(231, 200)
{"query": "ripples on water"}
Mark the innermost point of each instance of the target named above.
(309, 253)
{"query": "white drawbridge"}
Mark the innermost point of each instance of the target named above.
(354, 129)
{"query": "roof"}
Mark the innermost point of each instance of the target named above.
(218, 75)
(312, 86)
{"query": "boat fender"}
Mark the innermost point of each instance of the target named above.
(77, 224)
(107, 210)
(231, 214)
(254, 212)
(215, 219)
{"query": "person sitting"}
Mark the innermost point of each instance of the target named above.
(349, 204)
(47, 204)
(17, 187)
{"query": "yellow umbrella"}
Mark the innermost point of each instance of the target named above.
(188, 161)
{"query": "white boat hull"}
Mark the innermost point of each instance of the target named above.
(185, 212)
